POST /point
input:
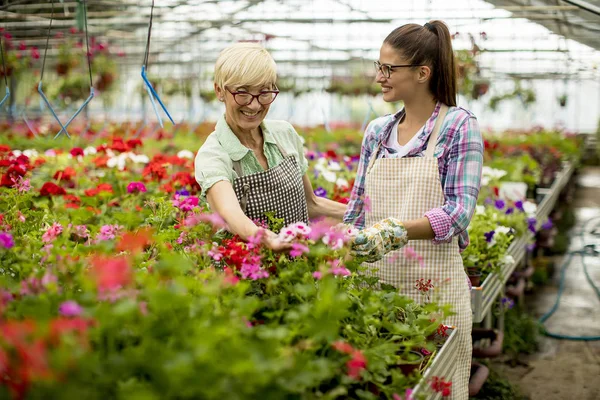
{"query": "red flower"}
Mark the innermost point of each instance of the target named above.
(76, 151)
(134, 143)
(331, 154)
(442, 330)
(52, 189)
(356, 364)
(234, 252)
(105, 187)
(111, 273)
(423, 286)
(118, 145)
(441, 386)
(343, 347)
(4, 148)
(135, 241)
(69, 325)
(65, 175)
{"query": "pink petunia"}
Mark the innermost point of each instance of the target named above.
(52, 233)
(70, 308)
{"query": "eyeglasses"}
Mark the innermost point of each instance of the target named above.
(386, 69)
(264, 98)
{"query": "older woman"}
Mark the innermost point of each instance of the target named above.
(249, 165)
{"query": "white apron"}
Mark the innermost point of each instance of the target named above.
(406, 188)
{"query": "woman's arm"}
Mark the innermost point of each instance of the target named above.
(222, 199)
(320, 206)
(461, 183)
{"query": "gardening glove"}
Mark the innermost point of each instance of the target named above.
(375, 242)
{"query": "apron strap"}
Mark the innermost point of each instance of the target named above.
(436, 130)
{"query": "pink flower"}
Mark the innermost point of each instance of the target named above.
(23, 185)
(356, 364)
(317, 275)
(251, 269)
(411, 254)
(108, 232)
(6, 240)
(293, 231)
(52, 233)
(70, 308)
(213, 219)
(298, 249)
(185, 203)
(136, 187)
(214, 253)
(407, 395)
(337, 269)
(143, 306)
(255, 241)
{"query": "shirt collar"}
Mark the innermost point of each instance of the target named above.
(230, 142)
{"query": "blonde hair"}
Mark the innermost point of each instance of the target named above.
(247, 64)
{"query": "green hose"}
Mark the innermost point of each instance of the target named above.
(588, 250)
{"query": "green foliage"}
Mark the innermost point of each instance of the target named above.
(521, 333)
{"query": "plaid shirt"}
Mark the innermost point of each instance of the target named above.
(459, 151)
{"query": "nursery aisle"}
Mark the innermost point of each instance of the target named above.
(568, 369)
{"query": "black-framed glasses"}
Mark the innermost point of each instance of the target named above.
(265, 97)
(386, 69)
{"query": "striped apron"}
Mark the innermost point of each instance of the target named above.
(406, 188)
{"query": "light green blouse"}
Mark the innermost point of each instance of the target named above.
(214, 161)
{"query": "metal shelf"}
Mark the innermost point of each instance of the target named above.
(443, 365)
(484, 296)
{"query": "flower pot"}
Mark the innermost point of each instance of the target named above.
(513, 191)
(474, 275)
(411, 361)
(494, 349)
(479, 374)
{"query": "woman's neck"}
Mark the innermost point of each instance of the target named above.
(418, 110)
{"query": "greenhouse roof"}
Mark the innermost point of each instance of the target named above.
(323, 38)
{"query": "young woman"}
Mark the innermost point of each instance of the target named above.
(422, 168)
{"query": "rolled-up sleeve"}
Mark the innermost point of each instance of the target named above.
(461, 184)
(212, 165)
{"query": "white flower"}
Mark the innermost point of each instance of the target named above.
(329, 176)
(118, 161)
(341, 183)
(485, 180)
(479, 210)
(17, 153)
(492, 242)
(47, 153)
(30, 153)
(530, 208)
(185, 154)
(140, 158)
(507, 260)
(492, 173)
(503, 230)
(334, 166)
(89, 150)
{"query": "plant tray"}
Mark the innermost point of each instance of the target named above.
(482, 297)
(443, 364)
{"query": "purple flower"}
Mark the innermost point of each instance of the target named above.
(489, 201)
(70, 308)
(500, 204)
(531, 222)
(547, 225)
(509, 210)
(489, 235)
(136, 187)
(519, 206)
(183, 192)
(320, 192)
(507, 303)
(531, 247)
(6, 240)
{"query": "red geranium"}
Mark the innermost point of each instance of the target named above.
(52, 189)
(76, 151)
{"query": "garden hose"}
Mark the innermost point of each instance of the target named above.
(588, 250)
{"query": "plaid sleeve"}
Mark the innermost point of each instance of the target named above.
(461, 183)
(355, 212)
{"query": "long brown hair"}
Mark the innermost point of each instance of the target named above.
(431, 45)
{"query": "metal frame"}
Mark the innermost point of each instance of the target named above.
(484, 296)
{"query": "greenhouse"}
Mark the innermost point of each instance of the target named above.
(299, 199)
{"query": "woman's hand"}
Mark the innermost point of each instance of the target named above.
(273, 242)
(375, 242)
